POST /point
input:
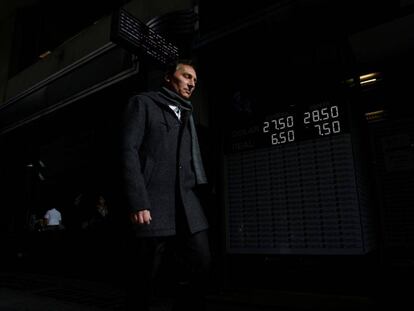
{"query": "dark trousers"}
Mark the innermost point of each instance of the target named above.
(174, 267)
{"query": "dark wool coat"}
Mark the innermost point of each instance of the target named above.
(157, 166)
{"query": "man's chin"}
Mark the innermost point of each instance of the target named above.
(186, 96)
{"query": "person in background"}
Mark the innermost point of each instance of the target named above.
(162, 167)
(99, 215)
(53, 219)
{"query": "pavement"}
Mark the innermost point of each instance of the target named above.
(77, 280)
(25, 291)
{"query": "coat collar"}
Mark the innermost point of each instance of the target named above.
(175, 99)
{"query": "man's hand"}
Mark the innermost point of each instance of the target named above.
(141, 217)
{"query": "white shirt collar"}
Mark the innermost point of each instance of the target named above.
(176, 110)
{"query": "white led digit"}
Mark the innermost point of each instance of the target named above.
(315, 115)
(291, 135)
(318, 126)
(325, 113)
(289, 121)
(334, 112)
(336, 126)
(326, 128)
(266, 127)
(282, 137)
(306, 117)
(275, 141)
(275, 123)
(282, 123)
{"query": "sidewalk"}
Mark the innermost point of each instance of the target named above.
(35, 292)
(24, 291)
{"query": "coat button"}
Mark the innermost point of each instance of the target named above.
(180, 166)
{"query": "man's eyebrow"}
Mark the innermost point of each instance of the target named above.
(190, 74)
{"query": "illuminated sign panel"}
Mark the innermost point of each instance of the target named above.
(294, 183)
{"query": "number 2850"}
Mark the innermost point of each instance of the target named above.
(322, 114)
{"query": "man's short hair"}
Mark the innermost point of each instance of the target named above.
(172, 66)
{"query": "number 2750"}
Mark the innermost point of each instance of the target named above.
(278, 124)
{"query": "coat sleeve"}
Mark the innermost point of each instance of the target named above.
(132, 134)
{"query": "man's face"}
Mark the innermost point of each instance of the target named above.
(183, 80)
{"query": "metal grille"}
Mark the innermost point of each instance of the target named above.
(302, 198)
(130, 32)
(394, 147)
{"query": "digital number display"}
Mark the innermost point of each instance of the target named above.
(319, 120)
(284, 127)
(325, 120)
